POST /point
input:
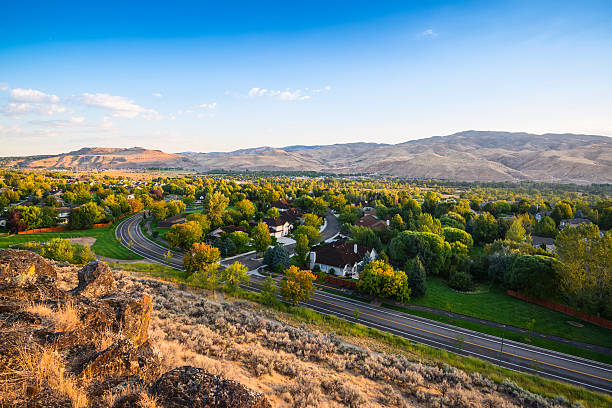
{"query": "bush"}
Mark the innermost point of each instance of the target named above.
(461, 281)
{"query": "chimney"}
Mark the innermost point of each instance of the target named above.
(387, 222)
(355, 248)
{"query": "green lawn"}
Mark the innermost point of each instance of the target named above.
(491, 303)
(106, 244)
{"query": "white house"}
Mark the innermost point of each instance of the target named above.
(340, 258)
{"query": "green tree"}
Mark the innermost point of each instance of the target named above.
(268, 291)
(319, 207)
(59, 249)
(234, 275)
(298, 286)
(484, 228)
(301, 248)
(366, 237)
(210, 277)
(214, 206)
(311, 232)
(516, 232)
(458, 235)
(175, 207)
(277, 258)
(431, 248)
(313, 220)
(585, 270)
(199, 256)
(562, 211)
(85, 216)
(533, 275)
(184, 235)
(261, 237)
(397, 222)
(380, 279)
(417, 278)
(546, 227)
(201, 219)
(246, 208)
(159, 210)
(240, 238)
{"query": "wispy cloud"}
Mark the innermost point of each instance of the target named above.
(427, 33)
(157, 95)
(32, 96)
(3, 86)
(286, 95)
(32, 101)
(59, 123)
(212, 105)
(118, 106)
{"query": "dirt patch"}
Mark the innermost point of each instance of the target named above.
(89, 241)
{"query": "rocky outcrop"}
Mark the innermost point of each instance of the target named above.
(192, 387)
(33, 323)
(15, 263)
(95, 280)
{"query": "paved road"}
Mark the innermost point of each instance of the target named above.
(513, 355)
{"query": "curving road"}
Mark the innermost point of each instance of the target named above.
(509, 354)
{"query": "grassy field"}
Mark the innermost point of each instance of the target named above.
(324, 323)
(106, 244)
(494, 304)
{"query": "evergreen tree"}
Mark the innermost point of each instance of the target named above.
(416, 278)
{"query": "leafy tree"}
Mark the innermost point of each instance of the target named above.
(261, 237)
(304, 203)
(277, 258)
(500, 262)
(516, 232)
(214, 206)
(431, 248)
(461, 281)
(199, 256)
(397, 222)
(201, 219)
(562, 211)
(605, 219)
(430, 202)
(458, 235)
(366, 237)
(184, 235)
(585, 270)
(546, 227)
(226, 246)
(533, 275)
(159, 210)
(319, 206)
(313, 220)
(380, 279)
(175, 207)
(234, 275)
(246, 208)
(85, 216)
(272, 212)
(135, 205)
(58, 249)
(210, 276)
(417, 278)
(301, 248)
(484, 228)
(240, 238)
(298, 286)
(426, 223)
(268, 292)
(311, 232)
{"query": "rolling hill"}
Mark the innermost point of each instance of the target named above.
(469, 156)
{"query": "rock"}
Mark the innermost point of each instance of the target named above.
(35, 288)
(95, 280)
(132, 314)
(193, 387)
(122, 359)
(16, 262)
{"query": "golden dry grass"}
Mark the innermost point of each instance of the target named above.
(65, 317)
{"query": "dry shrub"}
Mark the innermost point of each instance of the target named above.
(65, 317)
(306, 393)
(45, 368)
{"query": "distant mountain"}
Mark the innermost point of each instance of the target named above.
(470, 155)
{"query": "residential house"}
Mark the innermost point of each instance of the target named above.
(372, 222)
(227, 230)
(549, 243)
(341, 258)
(573, 222)
(278, 227)
(281, 205)
(63, 213)
(541, 214)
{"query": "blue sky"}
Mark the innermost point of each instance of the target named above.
(200, 76)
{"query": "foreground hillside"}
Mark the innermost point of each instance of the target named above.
(95, 338)
(467, 156)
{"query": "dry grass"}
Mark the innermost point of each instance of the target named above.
(45, 368)
(65, 317)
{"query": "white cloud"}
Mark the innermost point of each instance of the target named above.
(32, 96)
(78, 119)
(3, 86)
(428, 33)
(15, 109)
(118, 106)
(212, 105)
(286, 95)
(157, 95)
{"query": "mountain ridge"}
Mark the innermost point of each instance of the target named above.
(467, 156)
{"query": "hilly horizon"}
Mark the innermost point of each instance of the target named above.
(463, 156)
